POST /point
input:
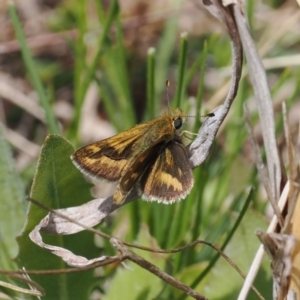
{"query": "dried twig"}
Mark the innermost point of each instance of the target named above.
(127, 254)
(200, 148)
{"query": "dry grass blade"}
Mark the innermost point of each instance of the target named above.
(293, 173)
(11, 93)
(20, 290)
(290, 17)
(260, 252)
(263, 175)
(35, 289)
(292, 163)
(279, 245)
(295, 230)
(264, 103)
(292, 223)
(22, 143)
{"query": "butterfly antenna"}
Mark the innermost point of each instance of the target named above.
(168, 83)
(207, 115)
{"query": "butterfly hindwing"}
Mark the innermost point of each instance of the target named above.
(169, 177)
(135, 171)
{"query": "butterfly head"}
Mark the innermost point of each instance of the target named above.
(177, 116)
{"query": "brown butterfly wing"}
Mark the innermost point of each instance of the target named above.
(150, 146)
(169, 178)
(109, 158)
(135, 171)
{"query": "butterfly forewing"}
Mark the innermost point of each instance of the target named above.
(169, 178)
(108, 159)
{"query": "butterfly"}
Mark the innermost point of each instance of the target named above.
(150, 156)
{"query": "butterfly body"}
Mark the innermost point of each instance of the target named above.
(150, 155)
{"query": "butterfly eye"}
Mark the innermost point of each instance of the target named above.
(177, 123)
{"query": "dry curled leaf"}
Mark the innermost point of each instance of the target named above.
(279, 248)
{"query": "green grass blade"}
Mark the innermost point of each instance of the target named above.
(83, 87)
(181, 221)
(79, 55)
(127, 104)
(100, 10)
(135, 219)
(181, 70)
(112, 13)
(200, 91)
(165, 50)
(30, 66)
(151, 101)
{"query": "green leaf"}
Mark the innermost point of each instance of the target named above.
(13, 204)
(57, 184)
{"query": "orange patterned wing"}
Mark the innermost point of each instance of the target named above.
(108, 159)
(169, 177)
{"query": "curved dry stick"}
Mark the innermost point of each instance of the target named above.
(191, 245)
(127, 254)
(200, 147)
(108, 261)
